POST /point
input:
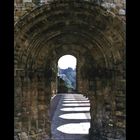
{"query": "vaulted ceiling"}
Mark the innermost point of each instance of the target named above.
(69, 27)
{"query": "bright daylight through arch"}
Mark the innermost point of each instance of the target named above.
(67, 73)
(67, 61)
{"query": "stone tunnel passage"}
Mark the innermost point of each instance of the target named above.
(71, 119)
(96, 38)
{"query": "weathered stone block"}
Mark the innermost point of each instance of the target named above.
(119, 113)
(24, 136)
(120, 124)
(18, 125)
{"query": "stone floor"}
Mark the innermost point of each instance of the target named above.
(71, 120)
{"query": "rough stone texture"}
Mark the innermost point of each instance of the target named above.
(22, 7)
(96, 38)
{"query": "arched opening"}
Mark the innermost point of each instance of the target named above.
(66, 76)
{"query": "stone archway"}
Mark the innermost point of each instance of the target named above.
(96, 38)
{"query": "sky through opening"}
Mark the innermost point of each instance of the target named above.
(67, 61)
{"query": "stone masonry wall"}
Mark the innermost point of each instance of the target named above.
(32, 120)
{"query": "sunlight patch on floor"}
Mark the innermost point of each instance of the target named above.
(75, 116)
(85, 104)
(71, 99)
(75, 128)
(76, 109)
(76, 101)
